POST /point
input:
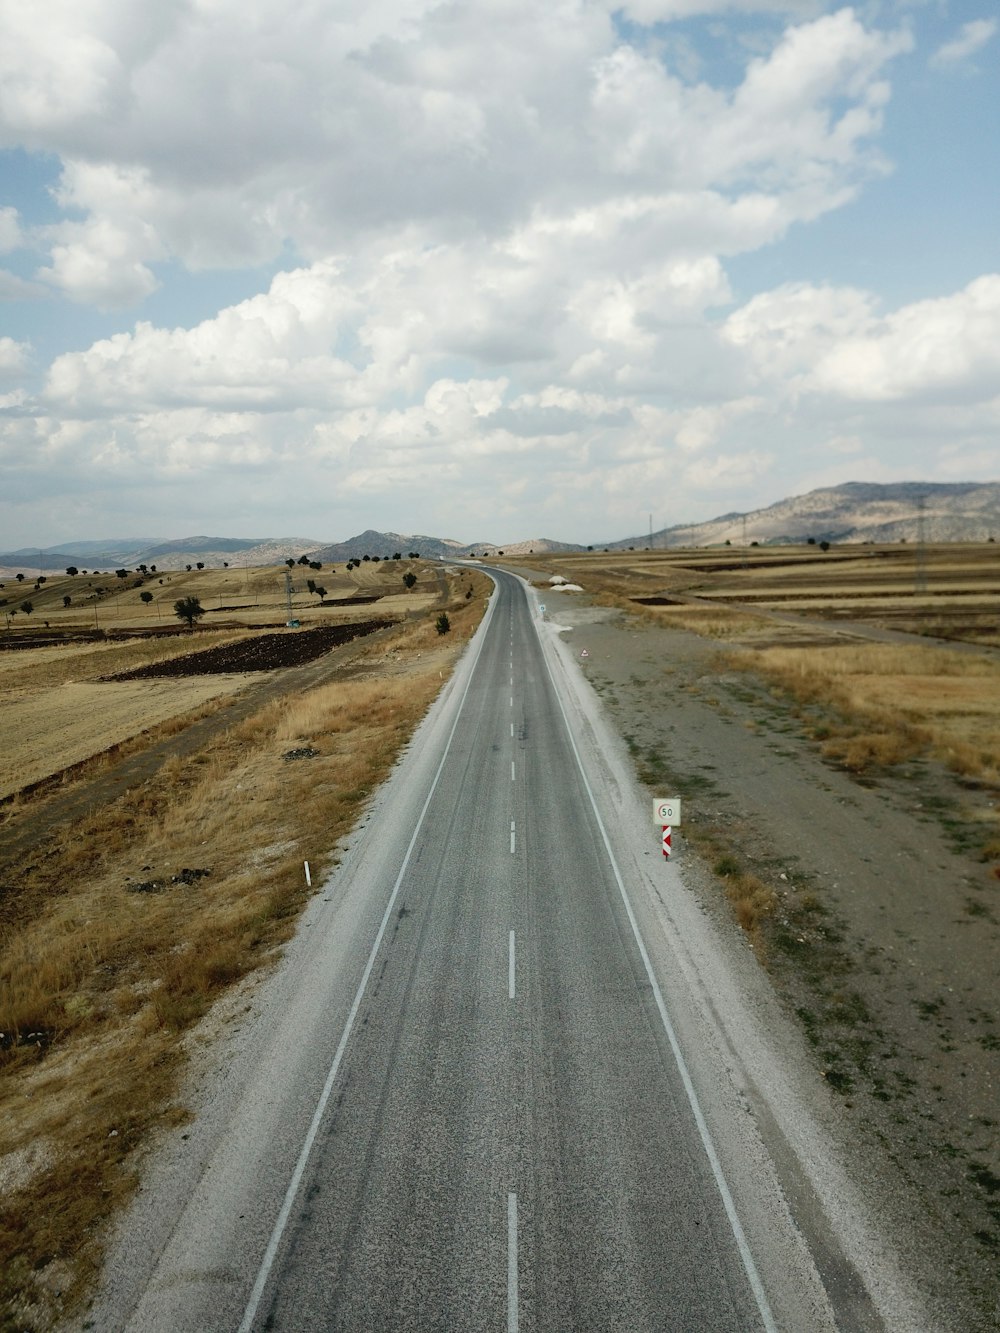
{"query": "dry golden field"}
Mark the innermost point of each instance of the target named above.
(230, 596)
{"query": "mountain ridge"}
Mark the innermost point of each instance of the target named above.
(851, 512)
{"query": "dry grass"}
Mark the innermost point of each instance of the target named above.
(885, 703)
(711, 622)
(98, 980)
(751, 899)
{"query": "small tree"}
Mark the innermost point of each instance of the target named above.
(20, 578)
(320, 592)
(66, 599)
(72, 569)
(409, 578)
(290, 563)
(200, 564)
(442, 624)
(27, 608)
(398, 555)
(188, 568)
(146, 597)
(189, 609)
(121, 573)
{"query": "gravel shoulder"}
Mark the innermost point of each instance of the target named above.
(884, 948)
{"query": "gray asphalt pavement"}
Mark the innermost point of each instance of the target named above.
(459, 1104)
(463, 1105)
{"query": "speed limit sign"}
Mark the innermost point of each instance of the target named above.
(667, 811)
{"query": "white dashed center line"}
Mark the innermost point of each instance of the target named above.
(512, 1316)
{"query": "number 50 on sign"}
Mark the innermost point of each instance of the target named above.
(667, 811)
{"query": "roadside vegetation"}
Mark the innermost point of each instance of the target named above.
(131, 923)
(876, 705)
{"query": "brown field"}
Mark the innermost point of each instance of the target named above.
(44, 733)
(130, 921)
(821, 625)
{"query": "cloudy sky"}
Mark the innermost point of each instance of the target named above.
(489, 269)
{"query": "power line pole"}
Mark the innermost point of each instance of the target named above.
(920, 581)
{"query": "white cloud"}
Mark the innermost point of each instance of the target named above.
(101, 264)
(511, 224)
(663, 11)
(14, 357)
(13, 288)
(930, 350)
(784, 332)
(218, 135)
(10, 230)
(273, 351)
(807, 339)
(972, 37)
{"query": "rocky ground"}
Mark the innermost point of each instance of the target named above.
(885, 940)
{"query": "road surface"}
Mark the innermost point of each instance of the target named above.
(464, 1104)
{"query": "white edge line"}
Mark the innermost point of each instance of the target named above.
(250, 1313)
(753, 1277)
(512, 1312)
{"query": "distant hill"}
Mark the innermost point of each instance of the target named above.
(130, 552)
(854, 512)
(534, 546)
(435, 548)
(384, 544)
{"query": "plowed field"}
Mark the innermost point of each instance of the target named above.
(266, 653)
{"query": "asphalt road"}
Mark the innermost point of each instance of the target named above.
(472, 1112)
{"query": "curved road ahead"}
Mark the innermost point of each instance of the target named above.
(470, 1111)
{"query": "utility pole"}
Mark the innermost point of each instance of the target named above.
(920, 577)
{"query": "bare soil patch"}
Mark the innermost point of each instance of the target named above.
(265, 652)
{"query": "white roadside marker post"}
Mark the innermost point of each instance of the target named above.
(308, 875)
(666, 842)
